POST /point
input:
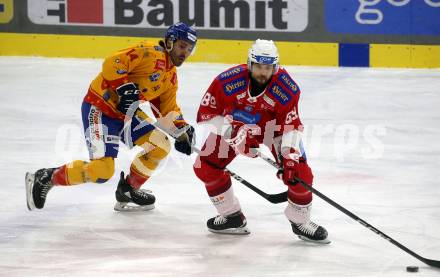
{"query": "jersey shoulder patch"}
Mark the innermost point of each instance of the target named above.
(234, 86)
(288, 82)
(279, 93)
(283, 88)
(159, 48)
(233, 80)
(231, 72)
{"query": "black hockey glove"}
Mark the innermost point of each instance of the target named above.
(128, 94)
(184, 143)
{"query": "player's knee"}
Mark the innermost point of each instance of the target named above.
(156, 144)
(101, 170)
(200, 169)
(209, 174)
(150, 160)
(162, 150)
(147, 161)
(216, 180)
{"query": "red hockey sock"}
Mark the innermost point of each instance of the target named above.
(59, 177)
(135, 179)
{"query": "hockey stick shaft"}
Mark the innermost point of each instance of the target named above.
(272, 198)
(433, 263)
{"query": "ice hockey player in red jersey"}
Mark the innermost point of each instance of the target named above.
(246, 106)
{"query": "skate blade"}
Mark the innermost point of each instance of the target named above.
(324, 241)
(128, 207)
(232, 231)
(29, 183)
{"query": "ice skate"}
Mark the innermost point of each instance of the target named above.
(234, 224)
(302, 226)
(37, 187)
(129, 199)
(310, 232)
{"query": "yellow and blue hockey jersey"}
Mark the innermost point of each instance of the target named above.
(148, 66)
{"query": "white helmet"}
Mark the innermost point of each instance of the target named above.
(263, 52)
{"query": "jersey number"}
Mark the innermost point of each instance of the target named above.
(208, 100)
(291, 116)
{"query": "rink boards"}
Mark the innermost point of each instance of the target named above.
(230, 51)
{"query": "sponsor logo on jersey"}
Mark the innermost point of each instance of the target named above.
(155, 88)
(160, 64)
(232, 72)
(268, 100)
(252, 99)
(248, 108)
(208, 116)
(106, 95)
(158, 48)
(94, 128)
(234, 86)
(111, 139)
(288, 82)
(246, 117)
(154, 77)
(280, 94)
(241, 96)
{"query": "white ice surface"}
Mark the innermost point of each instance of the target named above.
(372, 138)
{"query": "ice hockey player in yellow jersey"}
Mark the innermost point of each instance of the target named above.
(110, 114)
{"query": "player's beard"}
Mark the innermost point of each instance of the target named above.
(177, 60)
(258, 85)
(261, 80)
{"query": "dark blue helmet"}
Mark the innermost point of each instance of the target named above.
(181, 31)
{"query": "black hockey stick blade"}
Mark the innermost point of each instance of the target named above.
(277, 198)
(430, 262)
(272, 198)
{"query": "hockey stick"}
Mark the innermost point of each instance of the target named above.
(433, 263)
(272, 198)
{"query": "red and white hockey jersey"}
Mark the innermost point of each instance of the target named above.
(275, 110)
